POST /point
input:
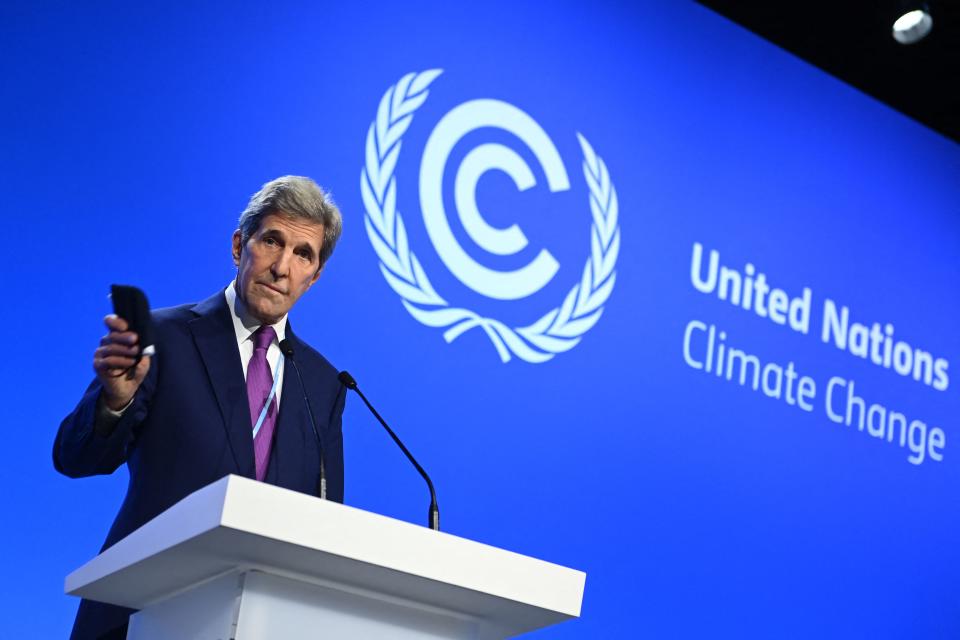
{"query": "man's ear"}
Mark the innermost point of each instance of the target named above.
(237, 247)
(316, 276)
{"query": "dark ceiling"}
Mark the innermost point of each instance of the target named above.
(851, 39)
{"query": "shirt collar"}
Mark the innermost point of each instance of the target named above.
(244, 324)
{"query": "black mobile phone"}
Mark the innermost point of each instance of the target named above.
(130, 303)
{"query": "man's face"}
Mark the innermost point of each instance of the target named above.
(279, 262)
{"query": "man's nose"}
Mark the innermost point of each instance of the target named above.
(281, 266)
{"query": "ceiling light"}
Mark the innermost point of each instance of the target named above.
(912, 26)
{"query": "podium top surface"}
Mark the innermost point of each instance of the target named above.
(238, 523)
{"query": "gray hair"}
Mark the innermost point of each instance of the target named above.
(296, 197)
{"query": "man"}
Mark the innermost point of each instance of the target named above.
(215, 398)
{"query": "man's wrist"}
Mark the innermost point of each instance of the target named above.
(106, 419)
(115, 407)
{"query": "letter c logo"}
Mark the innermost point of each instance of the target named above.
(501, 285)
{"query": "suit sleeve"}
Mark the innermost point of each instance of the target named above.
(83, 447)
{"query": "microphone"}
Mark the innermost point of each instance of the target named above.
(286, 348)
(433, 517)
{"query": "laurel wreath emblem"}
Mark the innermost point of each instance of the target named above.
(561, 328)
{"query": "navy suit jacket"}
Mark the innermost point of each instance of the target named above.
(189, 425)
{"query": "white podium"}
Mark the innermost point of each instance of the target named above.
(243, 560)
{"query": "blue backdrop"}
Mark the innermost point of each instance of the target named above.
(698, 506)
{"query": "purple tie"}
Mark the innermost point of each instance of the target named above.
(259, 382)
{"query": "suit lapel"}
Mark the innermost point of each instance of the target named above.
(215, 337)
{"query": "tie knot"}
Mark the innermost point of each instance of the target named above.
(262, 337)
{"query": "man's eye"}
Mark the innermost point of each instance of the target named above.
(269, 241)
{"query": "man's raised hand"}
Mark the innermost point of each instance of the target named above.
(113, 362)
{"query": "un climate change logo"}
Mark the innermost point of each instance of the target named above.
(559, 329)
